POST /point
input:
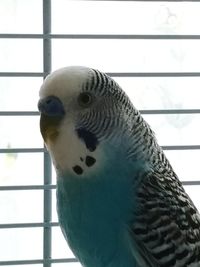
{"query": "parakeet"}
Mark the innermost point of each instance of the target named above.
(119, 202)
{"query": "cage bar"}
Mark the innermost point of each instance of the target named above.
(47, 234)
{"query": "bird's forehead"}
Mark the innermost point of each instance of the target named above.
(65, 82)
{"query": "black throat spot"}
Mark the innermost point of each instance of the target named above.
(89, 138)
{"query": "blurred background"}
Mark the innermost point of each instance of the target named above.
(151, 48)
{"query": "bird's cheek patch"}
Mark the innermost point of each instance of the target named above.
(88, 138)
(77, 169)
(88, 162)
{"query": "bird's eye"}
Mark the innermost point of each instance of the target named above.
(85, 99)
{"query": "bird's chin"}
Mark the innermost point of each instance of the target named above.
(49, 128)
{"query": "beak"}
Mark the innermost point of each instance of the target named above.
(52, 112)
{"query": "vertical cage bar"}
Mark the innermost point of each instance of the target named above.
(47, 162)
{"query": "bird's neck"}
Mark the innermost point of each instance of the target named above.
(94, 214)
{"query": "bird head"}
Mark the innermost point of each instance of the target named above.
(83, 112)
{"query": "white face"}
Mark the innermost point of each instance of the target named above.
(69, 153)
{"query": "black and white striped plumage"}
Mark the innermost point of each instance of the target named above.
(163, 228)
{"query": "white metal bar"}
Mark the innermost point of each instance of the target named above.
(101, 36)
(144, 111)
(19, 113)
(47, 233)
(27, 225)
(112, 74)
(126, 36)
(187, 147)
(50, 187)
(190, 182)
(28, 187)
(22, 36)
(38, 150)
(21, 262)
(21, 74)
(154, 74)
(169, 111)
(40, 261)
(22, 150)
(167, 1)
(68, 260)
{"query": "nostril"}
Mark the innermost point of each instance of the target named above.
(51, 106)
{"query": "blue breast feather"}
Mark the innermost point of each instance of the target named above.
(94, 214)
